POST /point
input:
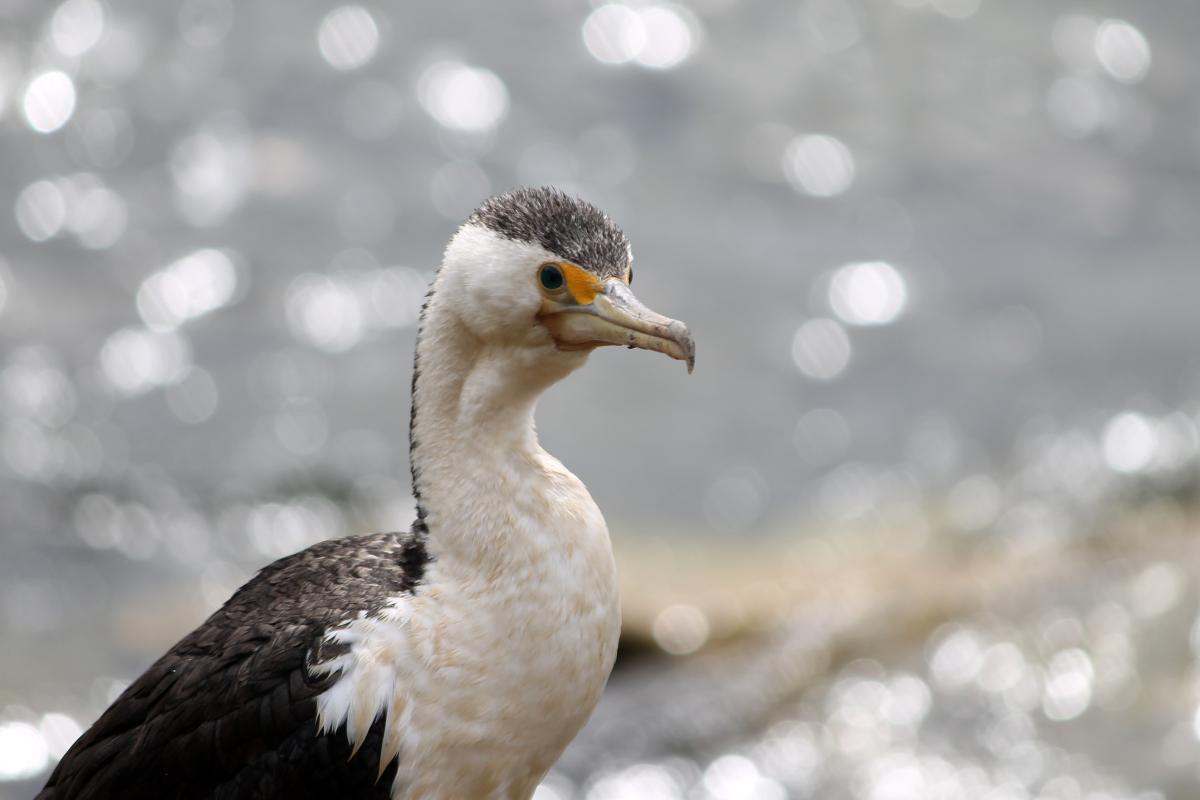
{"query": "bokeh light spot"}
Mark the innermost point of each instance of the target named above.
(735, 777)
(821, 349)
(668, 37)
(1068, 690)
(213, 169)
(135, 360)
(973, 503)
(77, 26)
(461, 97)
(680, 629)
(59, 731)
(348, 37)
(957, 657)
(1122, 51)
(41, 210)
(96, 215)
(818, 165)
(49, 101)
(23, 752)
(654, 36)
(324, 313)
(190, 287)
(614, 33)
(1077, 106)
(868, 293)
(1157, 589)
(1129, 441)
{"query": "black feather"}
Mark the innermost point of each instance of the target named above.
(568, 227)
(230, 711)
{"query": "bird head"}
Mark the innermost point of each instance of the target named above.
(546, 272)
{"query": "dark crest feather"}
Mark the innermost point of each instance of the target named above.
(568, 227)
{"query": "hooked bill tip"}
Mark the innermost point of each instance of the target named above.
(683, 338)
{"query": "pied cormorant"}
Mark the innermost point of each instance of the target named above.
(451, 662)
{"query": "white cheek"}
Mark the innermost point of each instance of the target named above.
(493, 280)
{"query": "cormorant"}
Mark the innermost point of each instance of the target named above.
(451, 662)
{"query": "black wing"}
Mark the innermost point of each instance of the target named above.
(230, 711)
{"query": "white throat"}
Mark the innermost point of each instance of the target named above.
(473, 425)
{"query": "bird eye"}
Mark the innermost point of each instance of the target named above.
(629, 281)
(551, 277)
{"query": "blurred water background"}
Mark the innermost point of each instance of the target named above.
(921, 525)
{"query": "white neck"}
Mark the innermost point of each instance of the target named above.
(473, 429)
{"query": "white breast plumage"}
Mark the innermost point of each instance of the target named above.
(484, 682)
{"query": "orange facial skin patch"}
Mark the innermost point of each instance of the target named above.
(583, 285)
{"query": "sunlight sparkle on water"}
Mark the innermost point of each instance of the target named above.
(23, 751)
(957, 658)
(669, 38)
(96, 215)
(867, 293)
(49, 101)
(324, 312)
(34, 386)
(655, 36)
(818, 165)
(821, 349)
(973, 503)
(76, 26)
(462, 97)
(79, 204)
(190, 287)
(135, 360)
(41, 210)
(213, 169)
(59, 732)
(1157, 589)
(1130, 441)
(680, 629)
(613, 34)
(1122, 50)
(638, 782)
(335, 312)
(1078, 106)
(735, 777)
(1069, 680)
(348, 37)
(555, 787)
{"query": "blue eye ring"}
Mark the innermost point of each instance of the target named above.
(551, 277)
